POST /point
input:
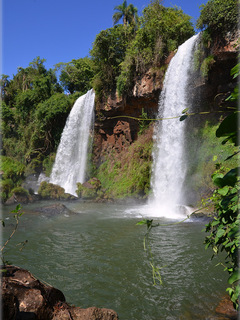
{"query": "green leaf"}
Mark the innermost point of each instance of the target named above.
(223, 191)
(183, 117)
(229, 179)
(229, 128)
(185, 110)
(145, 221)
(234, 277)
(229, 244)
(220, 233)
(17, 209)
(230, 291)
(142, 222)
(214, 223)
(234, 232)
(217, 175)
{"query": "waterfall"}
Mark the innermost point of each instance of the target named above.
(169, 164)
(71, 159)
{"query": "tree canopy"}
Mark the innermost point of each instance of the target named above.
(219, 16)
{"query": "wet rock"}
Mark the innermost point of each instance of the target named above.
(53, 191)
(21, 198)
(226, 310)
(25, 298)
(55, 209)
(88, 189)
(10, 306)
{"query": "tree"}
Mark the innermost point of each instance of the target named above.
(126, 12)
(76, 75)
(108, 53)
(22, 97)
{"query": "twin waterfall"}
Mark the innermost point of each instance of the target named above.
(71, 159)
(169, 164)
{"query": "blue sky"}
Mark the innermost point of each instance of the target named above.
(61, 30)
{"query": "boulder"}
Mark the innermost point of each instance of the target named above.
(24, 298)
(88, 189)
(55, 209)
(23, 199)
(53, 191)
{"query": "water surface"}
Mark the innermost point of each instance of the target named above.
(96, 258)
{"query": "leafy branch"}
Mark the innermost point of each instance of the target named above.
(17, 214)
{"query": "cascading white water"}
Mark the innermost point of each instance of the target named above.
(169, 165)
(70, 163)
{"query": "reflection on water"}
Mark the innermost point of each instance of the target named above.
(96, 258)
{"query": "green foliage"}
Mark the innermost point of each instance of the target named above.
(206, 65)
(13, 173)
(224, 229)
(76, 75)
(34, 113)
(89, 189)
(128, 174)
(108, 53)
(48, 163)
(144, 123)
(6, 186)
(20, 191)
(219, 17)
(201, 163)
(50, 118)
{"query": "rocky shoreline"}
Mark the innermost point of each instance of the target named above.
(26, 298)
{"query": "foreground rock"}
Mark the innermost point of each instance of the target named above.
(226, 310)
(26, 298)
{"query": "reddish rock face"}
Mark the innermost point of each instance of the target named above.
(117, 127)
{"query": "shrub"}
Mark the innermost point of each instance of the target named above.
(19, 191)
(52, 191)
